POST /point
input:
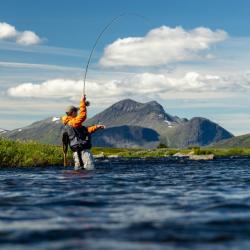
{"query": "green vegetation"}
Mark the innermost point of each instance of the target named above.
(134, 152)
(220, 152)
(30, 153)
(162, 145)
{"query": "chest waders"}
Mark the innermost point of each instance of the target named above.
(79, 154)
(78, 139)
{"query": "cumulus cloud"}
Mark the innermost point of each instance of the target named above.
(148, 83)
(28, 38)
(56, 88)
(136, 86)
(70, 89)
(161, 46)
(9, 32)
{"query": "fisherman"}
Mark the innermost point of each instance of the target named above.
(78, 137)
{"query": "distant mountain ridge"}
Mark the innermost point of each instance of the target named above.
(173, 130)
(237, 141)
(3, 131)
(46, 131)
(127, 136)
(130, 112)
(133, 124)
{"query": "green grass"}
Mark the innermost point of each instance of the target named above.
(30, 153)
(223, 151)
(135, 152)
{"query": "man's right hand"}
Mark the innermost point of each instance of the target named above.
(84, 98)
(87, 103)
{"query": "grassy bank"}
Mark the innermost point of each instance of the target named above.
(29, 153)
(222, 152)
(17, 153)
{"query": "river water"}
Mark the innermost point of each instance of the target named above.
(128, 204)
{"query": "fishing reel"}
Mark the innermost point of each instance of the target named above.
(87, 103)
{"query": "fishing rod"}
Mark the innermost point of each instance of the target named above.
(96, 42)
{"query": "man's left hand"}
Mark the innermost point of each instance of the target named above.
(100, 126)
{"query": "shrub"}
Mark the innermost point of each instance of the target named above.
(162, 145)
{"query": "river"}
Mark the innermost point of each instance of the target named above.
(128, 204)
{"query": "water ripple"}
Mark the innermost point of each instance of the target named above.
(128, 204)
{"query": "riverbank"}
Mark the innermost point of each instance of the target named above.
(30, 153)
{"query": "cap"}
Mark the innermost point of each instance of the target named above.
(71, 109)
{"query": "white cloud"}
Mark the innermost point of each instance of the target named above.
(9, 32)
(28, 38)
(56, 88)
(192, 85)
(70, 89)
(18, 65)
(161, 46)
(7, 45)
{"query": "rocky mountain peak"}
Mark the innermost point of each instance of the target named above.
(126, 105)
(129, 105)
(2, 130)
(130, 112)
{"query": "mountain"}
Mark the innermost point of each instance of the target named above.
(133, 124)
(197, 131)
(129, 112)
(173, 131)
(2, 131)
(49, 131)
(237, 141)
(46, 131)
(127, 136)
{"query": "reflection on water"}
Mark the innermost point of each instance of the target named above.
(128, 204)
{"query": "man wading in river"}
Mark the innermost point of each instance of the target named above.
(78, 137)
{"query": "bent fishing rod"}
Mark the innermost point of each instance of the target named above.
(96, 42)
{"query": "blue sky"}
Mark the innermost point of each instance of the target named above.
(191, 56)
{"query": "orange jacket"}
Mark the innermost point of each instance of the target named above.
(76, 122)
(92, 129)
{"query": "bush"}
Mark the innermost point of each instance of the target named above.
(162, 145)
(29, 153)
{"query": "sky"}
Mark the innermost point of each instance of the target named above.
(193, 57)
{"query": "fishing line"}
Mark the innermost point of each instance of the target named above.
(99, 37)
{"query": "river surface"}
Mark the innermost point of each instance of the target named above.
(128, 204)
